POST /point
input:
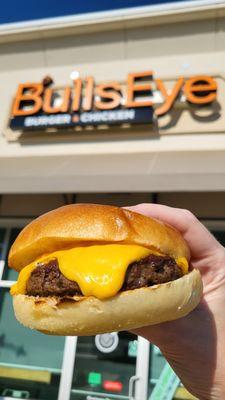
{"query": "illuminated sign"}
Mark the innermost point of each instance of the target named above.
(94, 379)
(39, 105)
(113, 386)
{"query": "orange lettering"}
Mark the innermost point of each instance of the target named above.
(113, 97)
(89, 92)
(77, 94)
(169, 98)
(48, 103)
(200, 90)
(133, 88)
(27, 94)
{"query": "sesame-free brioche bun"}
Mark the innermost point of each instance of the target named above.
(86, 224)
(83, 224)
(86, 316)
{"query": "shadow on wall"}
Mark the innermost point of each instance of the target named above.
(202, 114)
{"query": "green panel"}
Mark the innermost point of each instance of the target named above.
(157, 362)
(94, 378)
(21, 346)
(166, 386)
(132, 348)
(10, 274)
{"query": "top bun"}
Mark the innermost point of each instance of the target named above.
(85, 224)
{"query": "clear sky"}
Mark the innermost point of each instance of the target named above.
(24, 10)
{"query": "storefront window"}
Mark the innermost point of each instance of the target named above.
(10, 274)
(219, 235)
(157, 363)
(2, 235)
(30, 362)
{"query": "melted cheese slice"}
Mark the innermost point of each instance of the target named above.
(99, 270)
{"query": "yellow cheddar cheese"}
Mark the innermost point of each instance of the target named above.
(99, 270)
(183, 264)
(20, 285)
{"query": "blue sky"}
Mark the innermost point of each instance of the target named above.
(25, 10)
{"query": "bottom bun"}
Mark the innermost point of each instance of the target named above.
(86, 316)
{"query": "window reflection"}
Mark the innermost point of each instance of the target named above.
(10, 274)
(98, 372)
(29, 361)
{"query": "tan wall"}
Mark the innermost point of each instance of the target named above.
(193, 159)
(170, 50)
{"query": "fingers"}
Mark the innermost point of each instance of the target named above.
(200, 240)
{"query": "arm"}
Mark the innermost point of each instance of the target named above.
(195, 345)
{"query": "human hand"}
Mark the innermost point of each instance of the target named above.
(195, 345)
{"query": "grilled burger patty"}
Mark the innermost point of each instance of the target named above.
(47, 280)
(151, 270)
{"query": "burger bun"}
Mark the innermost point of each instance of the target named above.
(85, 316)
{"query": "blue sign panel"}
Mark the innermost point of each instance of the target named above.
(27, 10)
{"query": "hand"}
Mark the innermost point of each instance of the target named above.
(195, 345)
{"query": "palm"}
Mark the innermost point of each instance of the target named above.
(193, 345)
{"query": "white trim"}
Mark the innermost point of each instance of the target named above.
(99, 394)
(4, 251)
(123, 14)
(2, 264)
(67, 368)
(142, 369)
(6, 284)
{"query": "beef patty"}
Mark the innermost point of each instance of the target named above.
(47, 280)
(150, 271)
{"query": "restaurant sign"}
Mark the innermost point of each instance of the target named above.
(40, 105)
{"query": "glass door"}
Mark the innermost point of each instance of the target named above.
(110, 366)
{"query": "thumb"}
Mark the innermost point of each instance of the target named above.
(200, 241)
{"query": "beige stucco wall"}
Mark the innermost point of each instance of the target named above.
(183, 154)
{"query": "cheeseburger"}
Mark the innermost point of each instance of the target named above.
(86, 269)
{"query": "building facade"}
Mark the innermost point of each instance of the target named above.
(164, 64)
